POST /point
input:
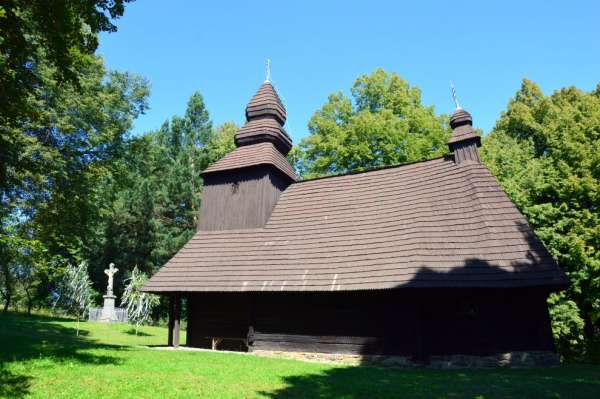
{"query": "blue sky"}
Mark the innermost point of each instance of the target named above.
(318, 47)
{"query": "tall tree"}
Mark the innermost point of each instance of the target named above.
(54, 32)
(84, 133)
(384, 123)
(545, 151)
(40, 41)
(72, 144)
(153, 198)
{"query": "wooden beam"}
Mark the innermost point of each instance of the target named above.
(176, 319)
(171, 320)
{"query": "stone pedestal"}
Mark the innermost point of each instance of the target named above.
(108, 311)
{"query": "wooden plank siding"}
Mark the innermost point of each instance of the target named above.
(413, 322)
(240, 199)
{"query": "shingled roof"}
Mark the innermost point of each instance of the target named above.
(438, 223)
(429, 224)
(252, 155)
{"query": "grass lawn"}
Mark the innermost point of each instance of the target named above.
(41, 357)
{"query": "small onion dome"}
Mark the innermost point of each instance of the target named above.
(460, 117)
(461, 123)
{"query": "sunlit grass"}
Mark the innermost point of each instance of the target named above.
(41, 357)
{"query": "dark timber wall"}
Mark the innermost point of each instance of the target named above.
(240, 199)
(413, 322)
(466, 151)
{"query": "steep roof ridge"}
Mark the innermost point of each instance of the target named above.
(375, 169)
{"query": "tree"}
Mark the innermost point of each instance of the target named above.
(56, 33)
(42, 43)
(75, 294)
(139, 304)
(545, 151)
(152, 195)
(385, 123)
(67, 152)
(221, 142)
(23, 264)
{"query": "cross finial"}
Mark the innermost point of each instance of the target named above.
(454, 95)
(268, 71)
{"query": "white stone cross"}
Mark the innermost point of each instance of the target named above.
(110, 272)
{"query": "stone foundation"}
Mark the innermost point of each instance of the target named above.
(511, 359)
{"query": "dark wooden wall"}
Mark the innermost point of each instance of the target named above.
(466, 151)
(412, 322)
(240, 199)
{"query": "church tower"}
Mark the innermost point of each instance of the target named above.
(241, 189)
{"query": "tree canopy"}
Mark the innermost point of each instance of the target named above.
(56, 33)
(545, 151)
(385, 123)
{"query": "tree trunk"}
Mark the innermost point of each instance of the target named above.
(8, 285)
(29, 303)
(78, 326)
(7, 298)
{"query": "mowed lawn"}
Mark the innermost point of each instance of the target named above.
(41, 357)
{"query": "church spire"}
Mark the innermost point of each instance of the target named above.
(265, 117)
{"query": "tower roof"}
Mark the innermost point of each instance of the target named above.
(265, 117)
(461, 123)
(266, 102)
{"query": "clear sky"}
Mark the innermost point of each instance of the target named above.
(318, 47)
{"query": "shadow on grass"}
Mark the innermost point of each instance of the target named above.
(370, 382)
(25, 338)
(131, 331)
(13, 385)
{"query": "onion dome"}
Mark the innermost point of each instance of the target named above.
(265, 117)
(461, 123)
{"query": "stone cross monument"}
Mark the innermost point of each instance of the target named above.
(108, 311)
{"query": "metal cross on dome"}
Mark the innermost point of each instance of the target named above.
(454, 95)
(268, 71)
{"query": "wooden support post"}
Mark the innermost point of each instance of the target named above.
(176, 319)
(171, 319)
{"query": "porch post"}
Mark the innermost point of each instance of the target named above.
(171, 319)
(176, 319)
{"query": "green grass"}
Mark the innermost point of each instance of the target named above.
(41, 357)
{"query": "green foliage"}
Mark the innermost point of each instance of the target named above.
(56, 33)
(65, 154)
(81, 134)
(545, 151)
(139, 304)
(567, 326)
(385, 123)
(75, 292)
(24, 265)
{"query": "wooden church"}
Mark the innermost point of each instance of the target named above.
(418, 260)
